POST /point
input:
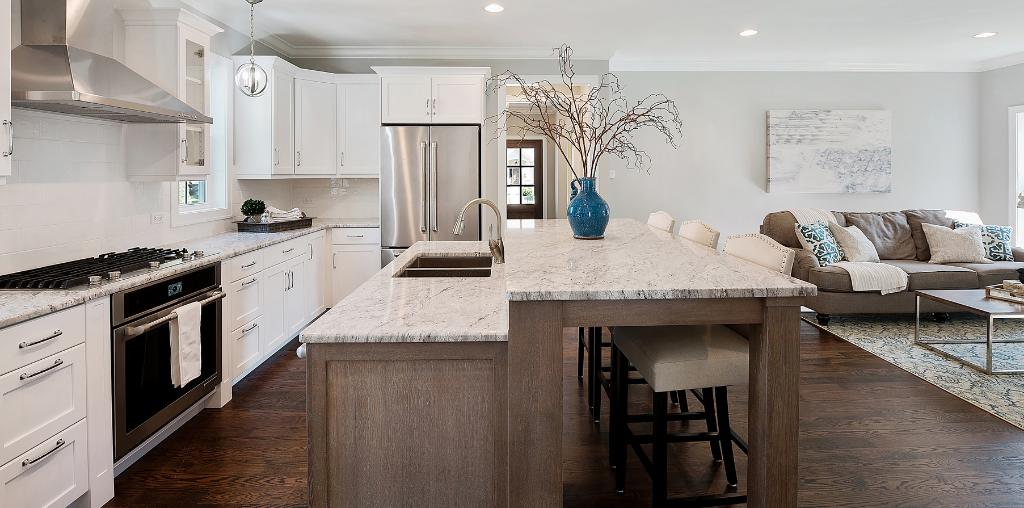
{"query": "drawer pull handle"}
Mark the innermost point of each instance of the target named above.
(253, 281)
(287, 251)
(56, 446)
(24, 345)
(250, 265)
(251, 328)
(56, 364)
(354, 236)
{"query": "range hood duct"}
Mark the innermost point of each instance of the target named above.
(49, 75)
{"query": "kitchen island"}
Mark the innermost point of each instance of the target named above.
(635, 276)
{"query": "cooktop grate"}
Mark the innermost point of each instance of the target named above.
(77, 273)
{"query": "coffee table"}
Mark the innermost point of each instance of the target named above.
(973, 301)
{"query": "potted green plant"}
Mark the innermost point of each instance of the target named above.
(253, 210)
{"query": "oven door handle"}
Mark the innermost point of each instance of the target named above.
(132, 331)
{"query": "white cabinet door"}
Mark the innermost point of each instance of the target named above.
(294, 301)
(246, 302)
(6, 142)
(405, 100)
(314, 275)
(351, 266)
(316, 124)
(457, 100)
(283, 122)
(273, 328)
(51, 475)
(246, 346)
(359, 129)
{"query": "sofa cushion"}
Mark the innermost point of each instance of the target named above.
(920, 275)
(855, 246)
(962, 245)
(993, 273)
(818, 239)
(915, 218)
(995, 238)
(779, 226)
(889, 232)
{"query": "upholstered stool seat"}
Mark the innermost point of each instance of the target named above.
(674, 358)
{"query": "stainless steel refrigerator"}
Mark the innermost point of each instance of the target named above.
(427, 174)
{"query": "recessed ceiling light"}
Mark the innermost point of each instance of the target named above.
(494, 8)
(748, 33)
(982, 35)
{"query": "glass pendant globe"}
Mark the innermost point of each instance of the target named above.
(251, 79)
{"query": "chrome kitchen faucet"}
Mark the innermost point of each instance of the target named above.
(497, 246)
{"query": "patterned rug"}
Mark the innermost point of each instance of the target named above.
(891, 337)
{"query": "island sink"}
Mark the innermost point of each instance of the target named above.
(447, 266)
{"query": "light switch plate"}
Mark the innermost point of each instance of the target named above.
(309, 201)
(611, 173)
(156, 218)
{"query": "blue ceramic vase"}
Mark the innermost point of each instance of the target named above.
(588, 212)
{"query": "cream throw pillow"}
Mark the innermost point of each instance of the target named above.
(962, 245)
(855, 245)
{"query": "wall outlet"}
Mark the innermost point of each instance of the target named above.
(611, 174)
(309, 201)
(156, 218)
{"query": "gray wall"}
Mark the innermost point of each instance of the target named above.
(1000, 89)
(718, 172)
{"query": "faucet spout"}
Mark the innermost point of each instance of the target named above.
(497, 246)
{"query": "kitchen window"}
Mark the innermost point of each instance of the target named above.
(191, 193)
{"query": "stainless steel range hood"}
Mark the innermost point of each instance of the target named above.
(49, 75)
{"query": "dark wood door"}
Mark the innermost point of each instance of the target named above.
(524, 179)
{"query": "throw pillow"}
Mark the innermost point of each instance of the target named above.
(962, 245)
(818, 239)
(856, 247)
(995, 238)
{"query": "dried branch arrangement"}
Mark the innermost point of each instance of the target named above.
(594, 124)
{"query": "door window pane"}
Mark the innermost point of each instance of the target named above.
(527, 175)
(513, 176)
(528, 195)
(512, 157)
(527, 158)
(513, 195)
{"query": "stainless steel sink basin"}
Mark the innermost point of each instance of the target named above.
(448, 266)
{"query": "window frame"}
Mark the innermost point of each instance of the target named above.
(1016, 171)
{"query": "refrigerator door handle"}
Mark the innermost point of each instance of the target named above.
(433, 185)
(423, 190)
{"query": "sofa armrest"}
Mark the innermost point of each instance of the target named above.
(805, 260)
(1018, 254)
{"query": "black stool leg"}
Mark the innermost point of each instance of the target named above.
(659, 469)
(619, 430)
(591, 388)
(725, 435)
(579, 355)
(596, 373)
(683, 406)
(674, 397)
(709, 414)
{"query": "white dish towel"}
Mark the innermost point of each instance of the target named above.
(186, 344)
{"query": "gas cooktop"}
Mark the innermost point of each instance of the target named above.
(93, 271)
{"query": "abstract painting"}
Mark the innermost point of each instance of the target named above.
(825, 151)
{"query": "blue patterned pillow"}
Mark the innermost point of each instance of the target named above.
(818, 239)
(995, 238)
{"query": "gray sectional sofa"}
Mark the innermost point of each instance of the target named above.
(900, 241)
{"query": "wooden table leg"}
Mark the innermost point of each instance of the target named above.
(774, 428)
(535, 404)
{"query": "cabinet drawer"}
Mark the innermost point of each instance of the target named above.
(355, 236)
(51, 475)
(41, 399)
(244, 265)
(246, 348)
(285, 250)
(33, 340)
(246, 302)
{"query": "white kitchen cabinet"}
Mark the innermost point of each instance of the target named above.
(316, 126)
(294, 301)
(358, 127)
(246, 347)
(169, 47)
(51, 475)
(351, 266)
(7, 141)
(265, 125)
(34, 340)
(432, 95)
(246, 302)
(313, 270)
(273, 330)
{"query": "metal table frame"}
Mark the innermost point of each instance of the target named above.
(988, 341)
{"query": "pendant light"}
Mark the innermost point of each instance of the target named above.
(251, 78)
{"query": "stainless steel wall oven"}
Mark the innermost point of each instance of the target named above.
(144, 398)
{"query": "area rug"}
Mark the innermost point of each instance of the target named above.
(891, 337)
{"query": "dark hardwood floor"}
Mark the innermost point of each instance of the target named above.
(871, 435)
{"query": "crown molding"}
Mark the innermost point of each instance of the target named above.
(1004, 61)
(408, 52)
(616, 65)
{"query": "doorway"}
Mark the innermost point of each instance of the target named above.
(524, 179)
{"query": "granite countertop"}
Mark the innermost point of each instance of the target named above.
(390, 309)
(19, 306)
(633, 262)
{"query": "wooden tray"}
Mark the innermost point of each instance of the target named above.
(275, 227)
(999, 293)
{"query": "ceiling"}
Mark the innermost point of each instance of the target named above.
(649, 34)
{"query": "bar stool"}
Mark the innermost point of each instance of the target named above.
(700, 232)
(678, 358)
